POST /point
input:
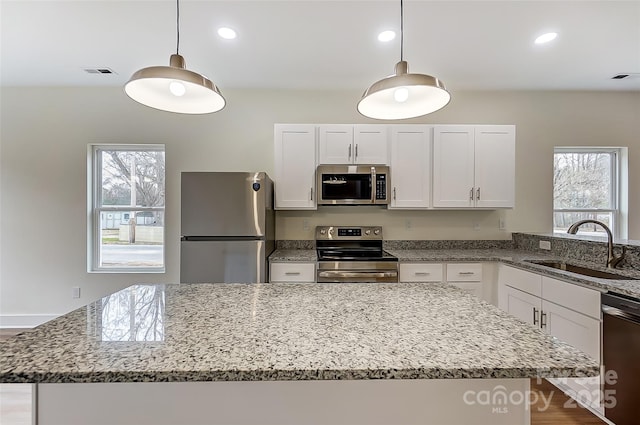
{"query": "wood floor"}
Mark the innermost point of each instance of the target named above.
(15, 402)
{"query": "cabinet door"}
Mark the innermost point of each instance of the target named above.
(453, 162)
(524, 306)
(370, 144)
(410, 167)
(335, 144)
(495, 166)
(582, 332)
(295, 166)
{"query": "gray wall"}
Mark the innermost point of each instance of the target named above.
(43, 155)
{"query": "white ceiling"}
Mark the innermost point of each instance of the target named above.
(470, 45)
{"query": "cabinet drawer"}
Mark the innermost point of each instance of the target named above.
(293, 272)
(464, 272)
(421, 272)
(577, 298)
(525, 281)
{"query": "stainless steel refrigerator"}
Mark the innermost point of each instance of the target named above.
(227, 227)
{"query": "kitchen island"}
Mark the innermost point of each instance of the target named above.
(287, 353)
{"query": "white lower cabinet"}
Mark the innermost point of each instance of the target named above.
(421, 272)
(293, 272)
(567, 311)
(466, 276)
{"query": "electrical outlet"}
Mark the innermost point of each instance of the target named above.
(75, 292)
(305, 225)
(476, 225)
(545, 245)
(502, 223)
(407, 224)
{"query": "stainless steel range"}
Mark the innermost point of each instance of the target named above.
(353, 254)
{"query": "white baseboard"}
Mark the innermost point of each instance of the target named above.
(9, 321)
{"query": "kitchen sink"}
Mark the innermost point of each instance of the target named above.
(585, 271)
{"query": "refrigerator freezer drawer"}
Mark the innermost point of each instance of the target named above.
(223, 261)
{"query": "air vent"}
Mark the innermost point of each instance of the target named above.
(626, 75)
(98, 71)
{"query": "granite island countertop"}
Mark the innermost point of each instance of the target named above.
(257, 332)
(514, 257)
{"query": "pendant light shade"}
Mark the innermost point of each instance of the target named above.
(174, 88)
(403, 95)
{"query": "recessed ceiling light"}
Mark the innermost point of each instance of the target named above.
(227, 33)
(385, 36)
(545, 38)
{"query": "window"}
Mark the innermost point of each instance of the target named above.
(586, 185)
(126, 231)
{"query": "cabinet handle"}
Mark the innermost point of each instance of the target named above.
(422, 273)
(312, 194)
(543, 322)
(535, 316)
(466, 273)
(356, 151)
(349, 151)
(394, 193)
(471, 194)
(292, 273)
(478, 194)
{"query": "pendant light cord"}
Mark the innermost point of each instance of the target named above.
(177, 27)
(401, 32)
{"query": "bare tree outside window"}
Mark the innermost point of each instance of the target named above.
(128, 207)
(584, 187)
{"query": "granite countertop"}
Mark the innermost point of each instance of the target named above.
(293, 255)
(257, 332)
(514, 257)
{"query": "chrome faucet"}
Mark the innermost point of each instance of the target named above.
(612, 259)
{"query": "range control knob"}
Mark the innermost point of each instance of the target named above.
(367, 232)
(323, 231)
(331, 231)
(376, 232)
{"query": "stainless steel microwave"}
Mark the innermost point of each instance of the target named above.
(353, 184)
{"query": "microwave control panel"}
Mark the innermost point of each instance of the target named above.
(381, 186)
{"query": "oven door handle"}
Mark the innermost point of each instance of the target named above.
(612, 311)
(357, 274)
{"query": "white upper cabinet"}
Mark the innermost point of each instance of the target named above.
(335, 144)
(453, 164)
(410, 166)
(495, 153)
(353, 144)
(295, 166)
(474, 166)
(371, 144)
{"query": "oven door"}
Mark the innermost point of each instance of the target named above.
(357, 271)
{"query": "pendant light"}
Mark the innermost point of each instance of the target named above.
(403, 95)
(174, 88)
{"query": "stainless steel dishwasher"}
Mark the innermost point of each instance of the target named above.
(621, 354)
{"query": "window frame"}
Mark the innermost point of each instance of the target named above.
(95, 208)
(615, 189)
